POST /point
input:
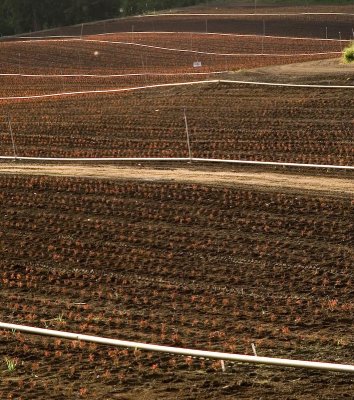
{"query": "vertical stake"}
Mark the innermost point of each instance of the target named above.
(206, 26)
(223, 367)
(191, 44)
(12, 137)
(144, 71)
(188, 139)
(263, 37)
(254, 349)
(340, 41)
(326, 32)
(19, 63)
(62, 80)
(82, 30)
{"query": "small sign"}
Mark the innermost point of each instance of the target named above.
(197, 64)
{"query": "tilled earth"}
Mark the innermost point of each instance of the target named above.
(188, 265)
(278, 22)
(225, 120)
(186, 258)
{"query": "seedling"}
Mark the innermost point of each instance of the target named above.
(59, 318)
(11, 364)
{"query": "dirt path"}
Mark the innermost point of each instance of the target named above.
(329, 72)
(261, 179)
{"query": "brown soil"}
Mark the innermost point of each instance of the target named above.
(296, 25)
(207, 257)
(229, 121)
(183, 264)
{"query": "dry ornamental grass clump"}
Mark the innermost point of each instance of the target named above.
(348, 54)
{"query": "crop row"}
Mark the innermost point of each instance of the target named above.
(225, 44)
(225, 121)
(61, 57)
(85, 232)
(185, 265)
(11, 86)
(276, 25)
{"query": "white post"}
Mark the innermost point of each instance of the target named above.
(12, 137)
(263, 37)
(254, 349)
(188, 139)
(326, 32)
(82, 30)
(340, 41)
(62, 80)
(144, 71)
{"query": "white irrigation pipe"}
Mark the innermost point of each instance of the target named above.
(46, 38)
(93, 159)
(210, 53)
(281, 164)
(176, 159)
(293, 85)
(181, 351)
(107, 91)
(213, 34)
(111, 75)
(243, 14)
(43, 96)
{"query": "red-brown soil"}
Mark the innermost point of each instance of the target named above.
(225, 121)
(276, 25)
(212, 257)
(181, 264)
(125, 53)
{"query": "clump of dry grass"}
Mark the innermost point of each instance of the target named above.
(348, 54)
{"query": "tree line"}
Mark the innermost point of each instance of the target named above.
(18, 16)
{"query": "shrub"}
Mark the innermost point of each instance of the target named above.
(348, 54)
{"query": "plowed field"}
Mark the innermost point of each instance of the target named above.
(209, 259)
(158, 53)
(186, 265)
(225, 121)
(279, 21)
